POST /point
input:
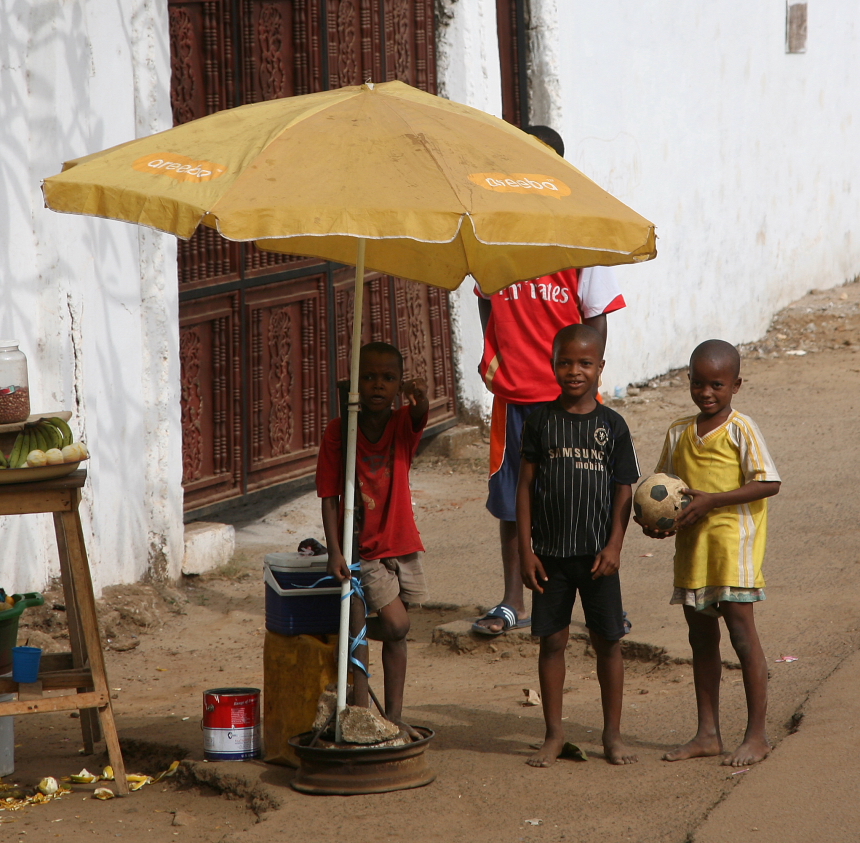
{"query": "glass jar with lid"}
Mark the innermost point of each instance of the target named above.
(14, 386)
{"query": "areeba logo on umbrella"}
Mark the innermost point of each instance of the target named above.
(178, 167)
(534, 183)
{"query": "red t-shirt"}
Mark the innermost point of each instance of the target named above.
(517, 362)
(388, 528)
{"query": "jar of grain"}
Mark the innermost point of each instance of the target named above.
(14, 387)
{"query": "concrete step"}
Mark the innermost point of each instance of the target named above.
(459, 637)
(208, 545)
(455, 443)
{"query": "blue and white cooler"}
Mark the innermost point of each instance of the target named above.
(301, 599)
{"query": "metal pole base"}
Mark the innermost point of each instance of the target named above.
(348, 770)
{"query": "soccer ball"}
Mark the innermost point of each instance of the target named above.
(658, 501)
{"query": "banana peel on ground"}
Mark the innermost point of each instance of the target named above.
(573, 752)
(12, 797)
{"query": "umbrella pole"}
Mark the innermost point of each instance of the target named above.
(349, 488)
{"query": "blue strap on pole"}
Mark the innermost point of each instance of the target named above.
(359, 640)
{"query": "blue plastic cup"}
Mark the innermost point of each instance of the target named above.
(25, 663)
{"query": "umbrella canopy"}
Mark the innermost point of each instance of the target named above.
(438, 190)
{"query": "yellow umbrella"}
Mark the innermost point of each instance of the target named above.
(384, 176)
(438, 189)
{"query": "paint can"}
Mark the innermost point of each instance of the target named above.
(231, 724)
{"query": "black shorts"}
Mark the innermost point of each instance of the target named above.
(601, 598)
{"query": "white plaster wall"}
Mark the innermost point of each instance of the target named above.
(694, 115)
(744, 156)
(467, 65)
(94, 303)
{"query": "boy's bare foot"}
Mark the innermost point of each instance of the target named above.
(749, 752)
(699, 747)
(617, 752)
(548, 754)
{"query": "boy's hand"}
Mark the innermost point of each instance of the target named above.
(606, 563)
(698, 508)
(337, 567)
(415, 391)
(532, 571)
(652, 533)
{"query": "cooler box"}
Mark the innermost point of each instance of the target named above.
(300, 598)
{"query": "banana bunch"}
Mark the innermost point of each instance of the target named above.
(44, 442)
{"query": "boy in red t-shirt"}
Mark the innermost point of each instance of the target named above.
(389, 543)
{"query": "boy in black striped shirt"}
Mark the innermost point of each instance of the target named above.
(573, 505)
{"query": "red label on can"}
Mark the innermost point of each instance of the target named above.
(231, 708)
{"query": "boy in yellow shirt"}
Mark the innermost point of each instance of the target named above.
(721, 455)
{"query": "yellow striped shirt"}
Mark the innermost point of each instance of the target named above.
(725, 548)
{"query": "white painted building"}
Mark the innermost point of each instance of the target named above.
(93, 303)
(744, 155)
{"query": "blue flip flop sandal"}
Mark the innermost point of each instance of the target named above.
(508, 616)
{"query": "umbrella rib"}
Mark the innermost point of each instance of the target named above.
(420, 137)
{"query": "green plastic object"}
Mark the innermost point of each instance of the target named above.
(9, 626)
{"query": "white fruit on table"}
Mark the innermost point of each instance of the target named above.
(54, 456)
(75, 452)
(36, 458)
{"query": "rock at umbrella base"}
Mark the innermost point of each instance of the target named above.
(362, 726)
(325, 708)
(359, 725)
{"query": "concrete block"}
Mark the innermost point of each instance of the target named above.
(452, 443)
(458, 636)
(208, 545)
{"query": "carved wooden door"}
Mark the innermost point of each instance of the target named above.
(512, 31)
(264, 337)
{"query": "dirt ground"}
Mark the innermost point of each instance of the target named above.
(166, 645)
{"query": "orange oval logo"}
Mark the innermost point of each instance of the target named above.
(178, 167)
(534, 183)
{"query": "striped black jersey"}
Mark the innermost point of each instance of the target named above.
(579, 460)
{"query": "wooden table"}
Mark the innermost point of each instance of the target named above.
(83, 668)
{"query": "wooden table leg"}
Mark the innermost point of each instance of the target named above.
(69, 523)
(90, 728)
(92, 715)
